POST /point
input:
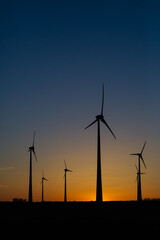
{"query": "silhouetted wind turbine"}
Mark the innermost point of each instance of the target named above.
(65, 182)
(99, 118)
(140, 157)
(43, 179)
(31, 150)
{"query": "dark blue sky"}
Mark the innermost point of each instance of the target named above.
(54, 57)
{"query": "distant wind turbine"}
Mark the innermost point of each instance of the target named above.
(43, 179)
(99, 197)
(65, 181)
(31, 150)
(140, 157)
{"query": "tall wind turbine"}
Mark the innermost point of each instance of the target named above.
(65, 182)
(140, 157)
(99, 118)
(43, 179)
(31, 150)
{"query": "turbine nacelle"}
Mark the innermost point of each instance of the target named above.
(100, 117)
(31, 149)
(44, 179)
(67, 170)
(138, 173)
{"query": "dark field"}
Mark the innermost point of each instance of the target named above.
(55, 216)
(146, 211)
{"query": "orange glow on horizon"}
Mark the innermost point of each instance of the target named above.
(118, 177)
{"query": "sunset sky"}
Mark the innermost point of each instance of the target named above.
(54, 58)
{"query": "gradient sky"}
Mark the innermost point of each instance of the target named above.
(54, 58)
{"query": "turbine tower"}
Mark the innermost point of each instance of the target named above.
(31, 150)
(140, 157)
(137, 178)
(43, 179)
(100, 117)
(65, 182)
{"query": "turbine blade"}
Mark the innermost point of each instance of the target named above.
(143, 147)
(34, 154)
(136, 167)
(91, 124)
(42, 174)
(33, 138)
(108, 127)
(135, 154)
(136, 178)
(143, 161)
(46, 179)
(65, 164)
(102, 99)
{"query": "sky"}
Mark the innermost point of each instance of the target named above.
(54, 58)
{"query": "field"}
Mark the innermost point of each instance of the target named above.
(146, 211)
(57, 216)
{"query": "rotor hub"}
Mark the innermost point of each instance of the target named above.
(99, 117)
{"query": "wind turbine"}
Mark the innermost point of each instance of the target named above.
(140, 157)
(65, 183)
(31, 150)
(43, 179)
(99, 118)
